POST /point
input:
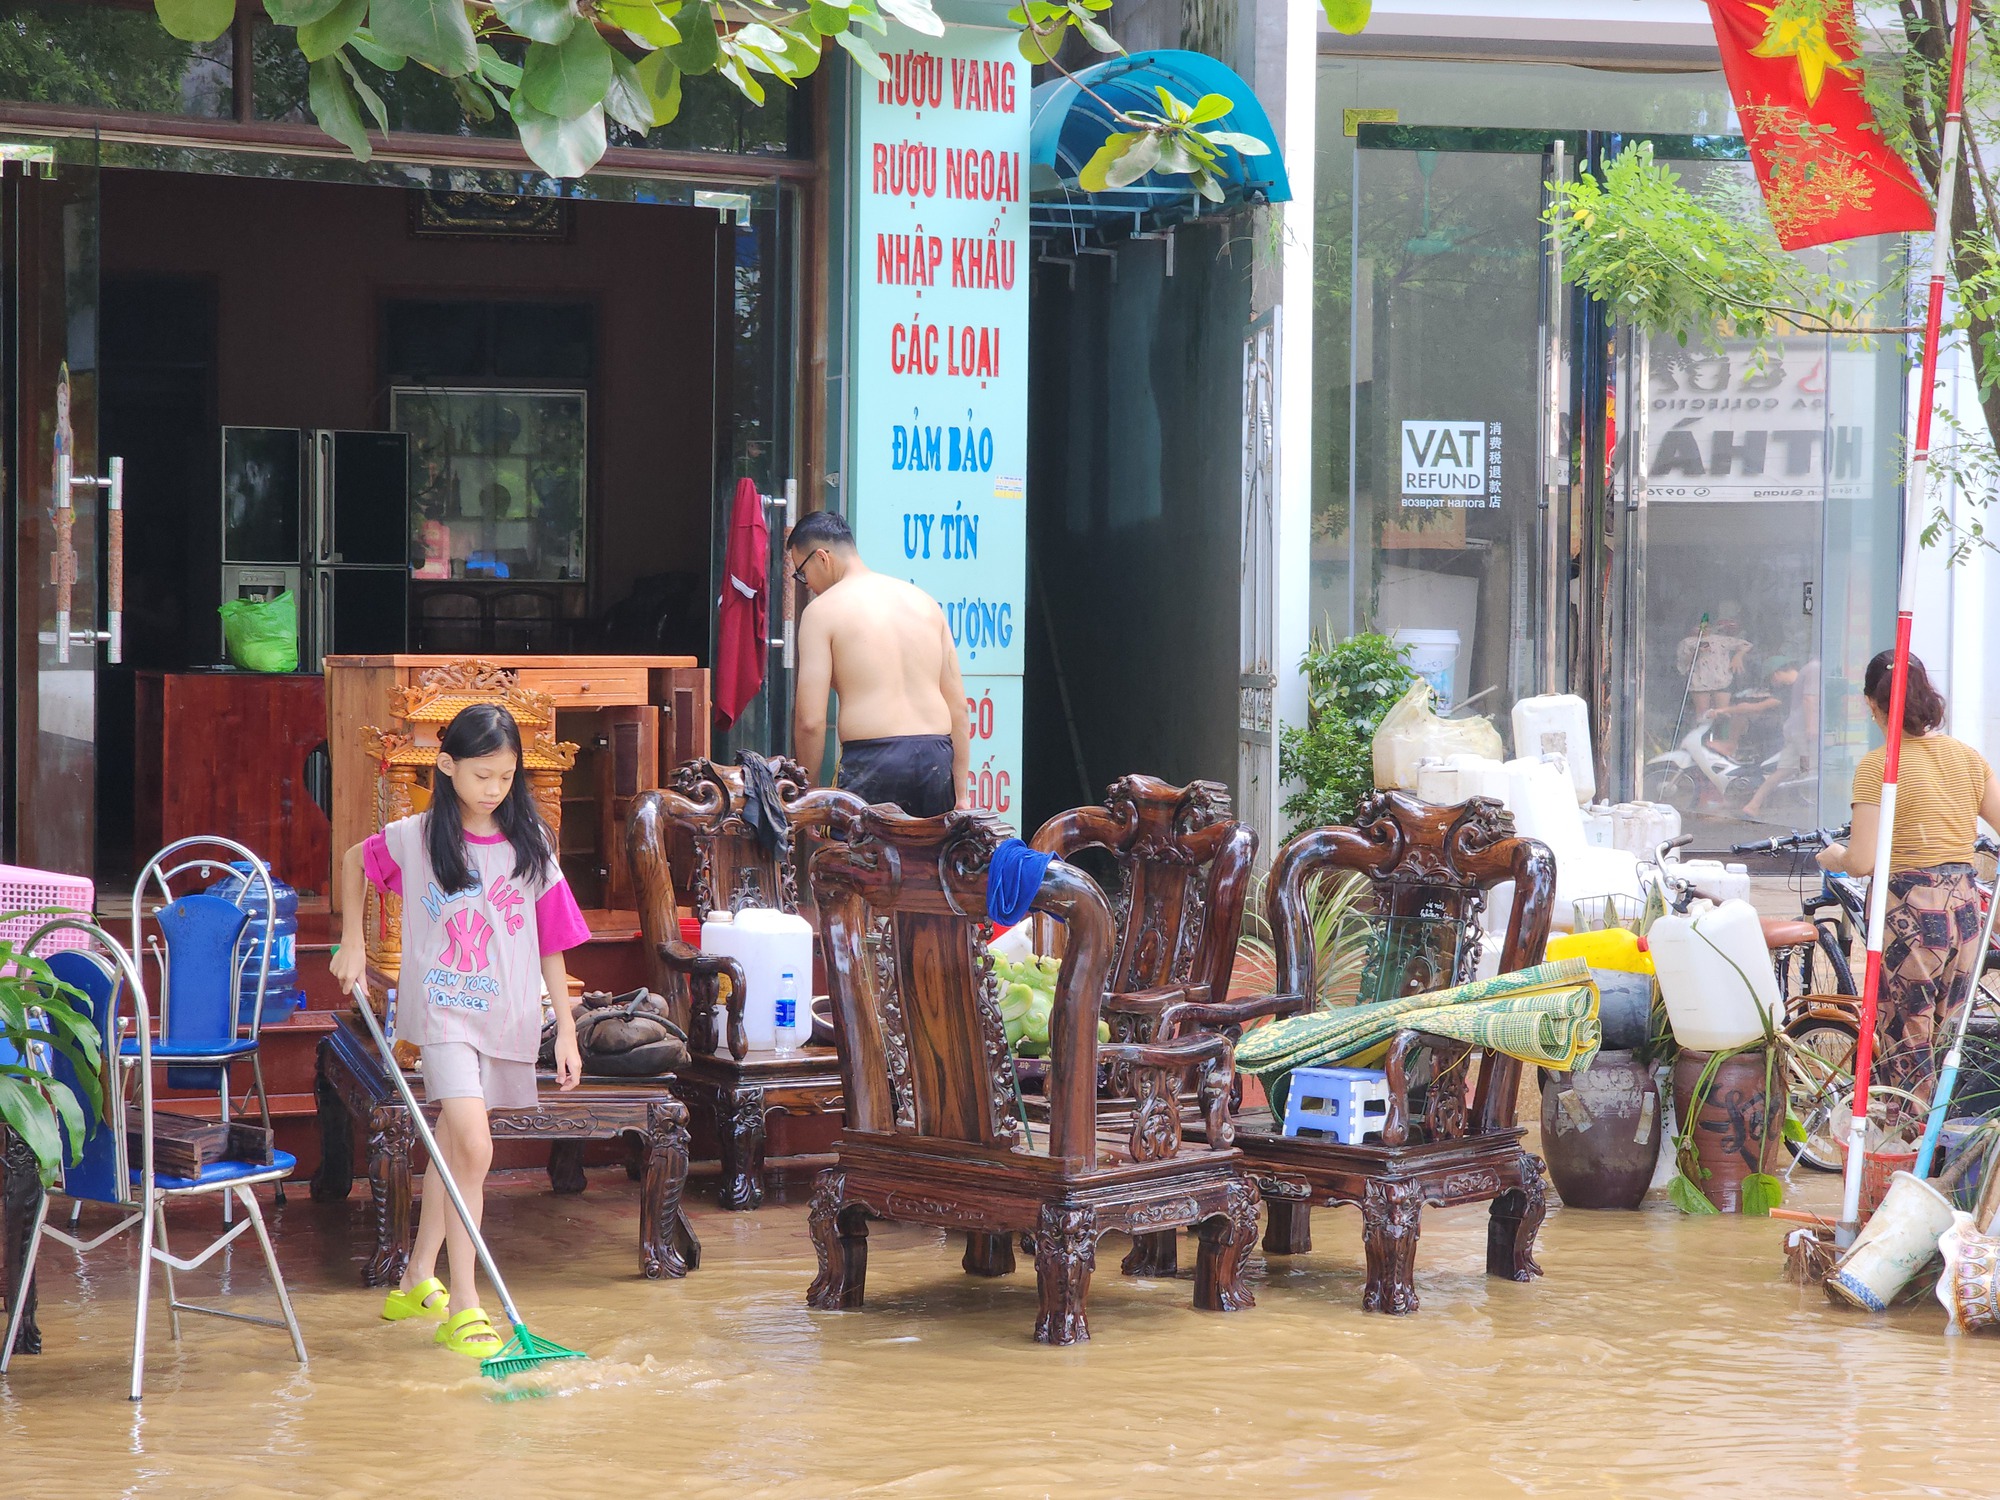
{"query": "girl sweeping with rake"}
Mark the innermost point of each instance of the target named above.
(487, 917)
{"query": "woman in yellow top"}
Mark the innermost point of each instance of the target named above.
(1934, 916)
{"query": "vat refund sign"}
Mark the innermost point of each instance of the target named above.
(940, 357)
(1451, 464)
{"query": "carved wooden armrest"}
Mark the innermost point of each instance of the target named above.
(1446, 1114)
(1181, 1052)
(1150, 1003)
(1156, 1124)
(1216, 1015)
(704, 972)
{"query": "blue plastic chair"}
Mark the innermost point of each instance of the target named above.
(202, 968)
(106, 1174)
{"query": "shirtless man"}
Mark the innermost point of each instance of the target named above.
(883, 646)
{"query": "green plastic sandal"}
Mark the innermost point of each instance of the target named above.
(469, 1332)
(425, 1299)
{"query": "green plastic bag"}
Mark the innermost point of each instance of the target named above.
(262, 637)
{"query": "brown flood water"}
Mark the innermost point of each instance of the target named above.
(1659, 1356)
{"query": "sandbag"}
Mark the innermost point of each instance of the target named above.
(1412, 732)
(622, 1036)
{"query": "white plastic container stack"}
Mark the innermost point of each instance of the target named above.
(1714, 880)
(1558, 724)
(1480, 776)
(1541, 797)
(1440, 782)
(768, 944)
(1599, 826)
(1641, 827)
(1703, 961)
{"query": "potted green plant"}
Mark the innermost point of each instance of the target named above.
(38, 1012)
(1728, 1103)
(1350, 686)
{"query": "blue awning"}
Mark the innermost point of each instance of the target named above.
(1072, 117)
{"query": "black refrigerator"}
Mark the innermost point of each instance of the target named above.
(357, 556)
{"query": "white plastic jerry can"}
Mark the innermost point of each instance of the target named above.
(1558, 724)
(1716, 978)
(769, 944)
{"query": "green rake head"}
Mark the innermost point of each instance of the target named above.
(524, 1352)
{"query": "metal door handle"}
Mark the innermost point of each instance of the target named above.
(62, 562)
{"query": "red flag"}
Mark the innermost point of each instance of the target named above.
(1787, 72)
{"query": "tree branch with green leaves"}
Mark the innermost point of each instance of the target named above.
(585, 62)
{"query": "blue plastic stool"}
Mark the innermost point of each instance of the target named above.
(1339, 1104)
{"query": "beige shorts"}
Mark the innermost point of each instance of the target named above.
(459, 1070)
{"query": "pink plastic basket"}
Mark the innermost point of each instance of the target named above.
(25, 890)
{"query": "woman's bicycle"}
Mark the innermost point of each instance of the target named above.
(1823, 1011)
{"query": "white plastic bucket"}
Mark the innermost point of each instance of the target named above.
(1434, 657)
(1703, 962)
(1893, 1246)
(1558, 724)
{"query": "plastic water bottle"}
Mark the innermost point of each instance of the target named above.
(790, 1033)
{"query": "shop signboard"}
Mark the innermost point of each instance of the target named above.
(1732, 426)
(1451, 463)
(939, 363)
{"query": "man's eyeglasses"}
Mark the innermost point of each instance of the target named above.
(799, 572)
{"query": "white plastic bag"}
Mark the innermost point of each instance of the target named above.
(1412, 732)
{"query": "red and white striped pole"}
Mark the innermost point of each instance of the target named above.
(1915, 494)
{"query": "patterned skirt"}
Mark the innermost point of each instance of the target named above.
(1932, 938)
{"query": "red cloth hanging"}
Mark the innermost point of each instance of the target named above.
(742, 632)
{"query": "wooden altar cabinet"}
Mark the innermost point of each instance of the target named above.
(636, 717)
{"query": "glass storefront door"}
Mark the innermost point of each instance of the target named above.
(48, 215)
(1538, 501)
(1444, 517)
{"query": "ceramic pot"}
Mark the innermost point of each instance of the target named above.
(1893, 1245)
(1970, 1286)
(1730, 1138)
(1601, 1132)
(1624, 1007)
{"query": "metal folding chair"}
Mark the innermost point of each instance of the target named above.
(202, 966)
(105, 1174)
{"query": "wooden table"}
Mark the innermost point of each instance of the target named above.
(351, 1085)
(740, 1097)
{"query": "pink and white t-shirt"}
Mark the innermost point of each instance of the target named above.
(472, 959)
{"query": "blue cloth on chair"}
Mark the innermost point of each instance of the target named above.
(1013, 881)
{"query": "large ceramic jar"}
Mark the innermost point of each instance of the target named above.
(1730, 1137)
(1601, 1132)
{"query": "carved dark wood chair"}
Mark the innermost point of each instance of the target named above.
(1180, 869)
(701, 811)
(1427, 866)
(933, 1135)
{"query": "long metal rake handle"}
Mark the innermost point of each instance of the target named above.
(438, 1165)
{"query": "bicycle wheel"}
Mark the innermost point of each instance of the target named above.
(1820, 1078)
(1836, 958)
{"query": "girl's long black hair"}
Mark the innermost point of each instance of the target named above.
(481, 729)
